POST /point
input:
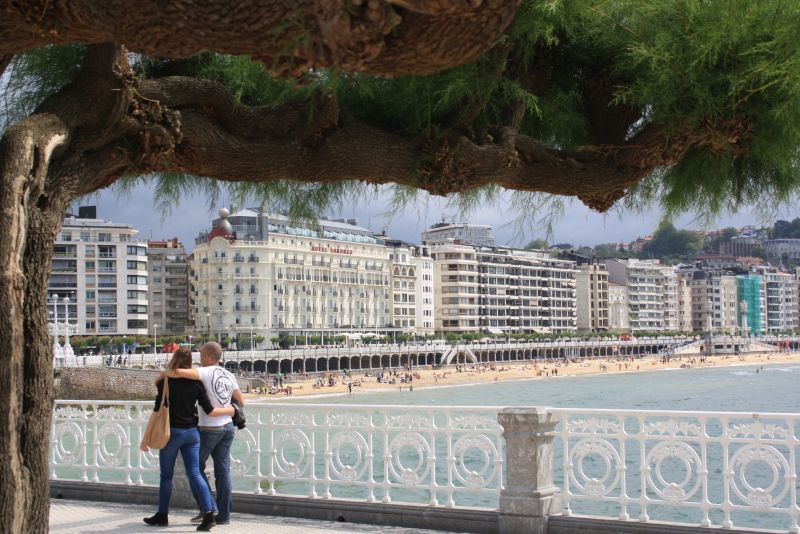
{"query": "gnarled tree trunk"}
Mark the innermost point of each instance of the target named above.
(33, 208)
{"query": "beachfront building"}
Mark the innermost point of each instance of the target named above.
(715, 300)
(259, 274)
(618, 308)
(684, 293)
(591, 293)
(752, 312)
(500, 290)
(412, 287)
(168, 288)
(100, 266)
(469, 234)
(780, 300)
(670, 300)
(644, 280)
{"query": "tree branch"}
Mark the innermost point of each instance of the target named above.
(5, 61)
(381, 37)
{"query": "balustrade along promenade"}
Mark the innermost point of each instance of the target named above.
(467, 469)
(367, 357)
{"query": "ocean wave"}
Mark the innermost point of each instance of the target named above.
(742, 373)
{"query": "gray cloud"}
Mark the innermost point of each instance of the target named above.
(578, 225)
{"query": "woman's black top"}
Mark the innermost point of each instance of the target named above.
(184, 395)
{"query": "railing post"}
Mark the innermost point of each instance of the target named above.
(529, 496)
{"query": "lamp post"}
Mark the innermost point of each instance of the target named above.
(67, 347)
(57, 354)
(155, 330)
(208, 321)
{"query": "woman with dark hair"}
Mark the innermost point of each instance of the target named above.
(182, 398)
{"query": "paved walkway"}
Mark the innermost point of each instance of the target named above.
(79, 517)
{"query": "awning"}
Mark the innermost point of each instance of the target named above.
(495, 331)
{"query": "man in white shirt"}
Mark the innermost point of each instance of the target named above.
(216, 433)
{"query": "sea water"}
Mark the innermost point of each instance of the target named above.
(776, 388)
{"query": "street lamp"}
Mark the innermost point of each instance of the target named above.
(208, 320)
(155, 329)
(67, 347)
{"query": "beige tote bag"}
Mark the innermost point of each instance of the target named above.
(159, 431)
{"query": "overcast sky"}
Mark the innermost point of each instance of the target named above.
(578, 225)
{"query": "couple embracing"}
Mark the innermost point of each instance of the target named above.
(196, 434)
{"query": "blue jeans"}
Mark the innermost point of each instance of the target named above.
(217, 444)
(187, 441)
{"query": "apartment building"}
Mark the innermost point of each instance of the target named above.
(502, 290)
(751, 292)
(412, 287)
(102, 269)
(592, 299)
(714, 298)
(168, 287)
(644, 280)
(259, 273)
(781, 300)
(618, 320)
(670, 302)
(469, 234)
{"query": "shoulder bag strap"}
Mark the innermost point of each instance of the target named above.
(165, 393)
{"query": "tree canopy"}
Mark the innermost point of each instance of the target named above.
(690, 105)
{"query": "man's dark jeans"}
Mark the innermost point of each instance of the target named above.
(217, 444)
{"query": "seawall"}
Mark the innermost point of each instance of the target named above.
(103, 383)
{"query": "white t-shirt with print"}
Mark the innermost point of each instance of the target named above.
(219, 384)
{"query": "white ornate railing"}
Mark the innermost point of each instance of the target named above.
(702, 468)
(435, 456)
(717, 469)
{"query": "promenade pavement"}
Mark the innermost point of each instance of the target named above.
(79, 517)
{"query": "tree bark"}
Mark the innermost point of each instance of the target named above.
(32, 213)
(382, 37)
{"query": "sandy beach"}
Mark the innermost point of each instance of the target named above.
(495, 372)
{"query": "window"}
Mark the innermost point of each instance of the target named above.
(104, 237)
(90, 294)
(138, 265)
(135, 294)
(137, 324)
(137, 280)
(136, 251)
(137, 308)
(89, 265)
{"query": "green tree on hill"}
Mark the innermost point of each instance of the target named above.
(670, 244)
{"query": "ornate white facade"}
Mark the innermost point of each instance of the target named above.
(265, 276)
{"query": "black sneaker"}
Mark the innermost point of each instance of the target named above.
(221, 521)
(208, 522)
(198, 518)
(158, 520)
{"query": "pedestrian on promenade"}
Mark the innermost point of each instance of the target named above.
(216, 433)
(182, 397)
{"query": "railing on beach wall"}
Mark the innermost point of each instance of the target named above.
(432, 456)
(524, 464)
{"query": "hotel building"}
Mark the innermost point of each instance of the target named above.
(102, 269)
(501, 290)
(258, 273)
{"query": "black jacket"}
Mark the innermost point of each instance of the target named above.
(184, 394)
